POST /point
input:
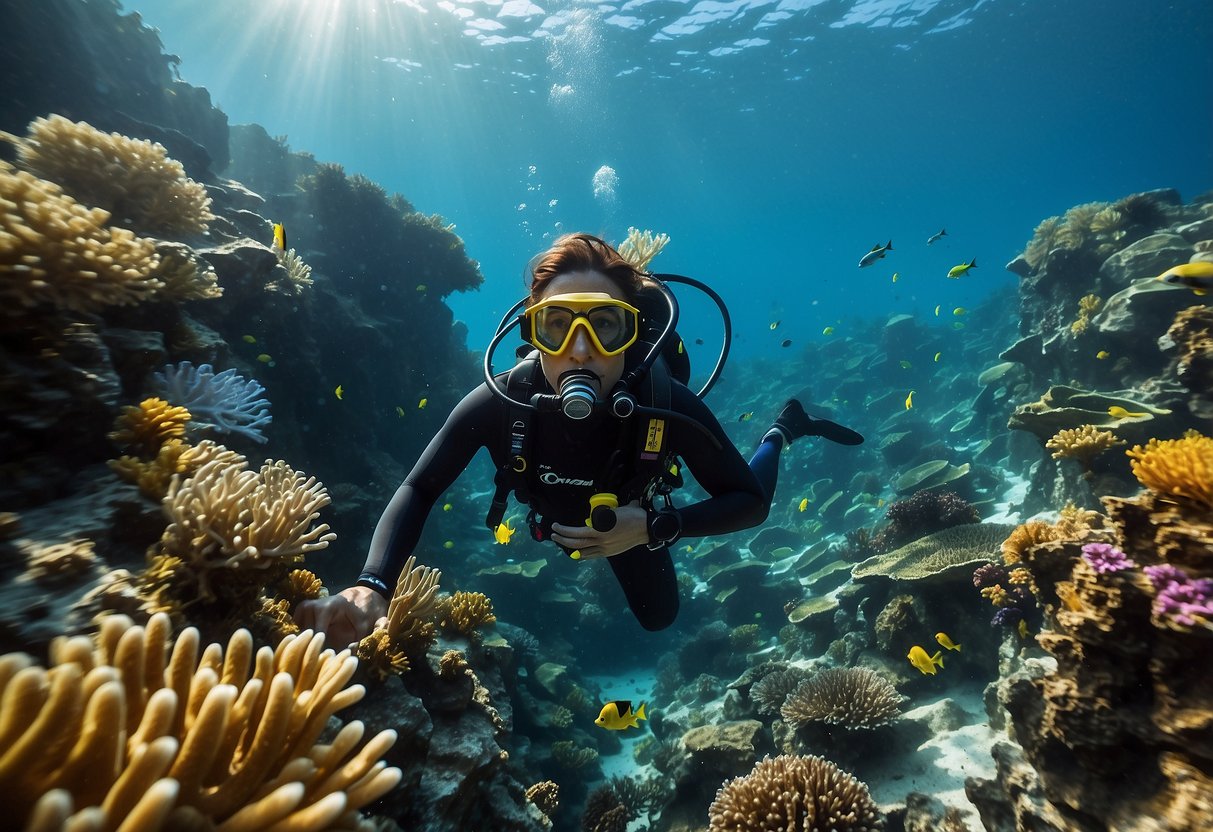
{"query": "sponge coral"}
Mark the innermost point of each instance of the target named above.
(130, 732)
(805, 794)
(852, 697)
(132, 179)
(1179, 469)
(57, 252)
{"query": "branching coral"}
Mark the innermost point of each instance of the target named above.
(54, 251)
(185, 275)
(134, 180)
(298, 274)
(641, 247)
(546, 797)
(807, 794)
(851, 697)
(410, 628)
(175, 457)
(146, 427)
(126, 732)
(1178, 469)
(1082, 444)
(226, 401)
(465, 613)
(1088, 305)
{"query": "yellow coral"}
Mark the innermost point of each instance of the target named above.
(175, 457)
(546, 797)
(55, 251)
(303, 584)
(996, 595)
(146, 427)
(409, 627)
(132, 179)
(464, 612)
(1180, 469)
(1073, 521)
(127, 731)
(1020, 576)
(1029, 534)
(1088, 305)
(452, 664)
(1082, 444)
(641, 247)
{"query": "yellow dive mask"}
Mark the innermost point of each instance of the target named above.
(611, 324)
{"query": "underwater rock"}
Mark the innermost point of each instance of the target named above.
(1145, 306)
(1063, 407)
(725, 750)
(1146, 258)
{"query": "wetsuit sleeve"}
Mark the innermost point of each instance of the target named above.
(737, 500)
(473, 424)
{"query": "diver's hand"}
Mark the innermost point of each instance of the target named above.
(631, 530)
(344, 618)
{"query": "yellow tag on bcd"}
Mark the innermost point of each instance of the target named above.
(655, 436)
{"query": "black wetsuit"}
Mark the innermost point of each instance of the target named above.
(566, 456)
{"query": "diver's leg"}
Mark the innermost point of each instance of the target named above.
(765, 462)
(792, 423)
(650, 585)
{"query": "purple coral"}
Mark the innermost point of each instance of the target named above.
(1183, 600)
(921, 514)
(1105, 558)
(1008, 617)
(989, 574)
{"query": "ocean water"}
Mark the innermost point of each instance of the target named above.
(776, 142)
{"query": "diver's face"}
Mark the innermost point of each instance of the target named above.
(581, 354)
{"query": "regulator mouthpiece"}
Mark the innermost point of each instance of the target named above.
(577, 395)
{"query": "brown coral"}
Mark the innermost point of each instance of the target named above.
(61, 559)
(1082, 444)
(805, 794)
(769, 692)
(146, 427)
(1178, 469)
(174, 457)
(851, 697)
(546, 797)
(133, 179)
(126, 731)
(465, 612)
(410, 629)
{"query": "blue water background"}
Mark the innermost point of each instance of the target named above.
(774, 142)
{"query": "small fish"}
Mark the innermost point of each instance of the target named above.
(877, 253)
(447, 506)
(504, 532)
(265, 358)
(804, 504)
(421, 404)
(422, 288)
(937, 308)
(946, 642)
(248, 339)
(1102, 354)
(1196, 276)
(937, 355)
(775, 324)
(925, 664)
(905, 365)
(279, 236)
(745, 417)
(957, 325)
(958, 311)
(400, 411)
(1022, 628)
(787, 342)
(689, 548)
(1120, 413)
(450, 544)
(962, 269)
(895, 276)
(910, 400)
(943, 232)
(699, 342)
(829, 330)
(339, 392)
(618, 715)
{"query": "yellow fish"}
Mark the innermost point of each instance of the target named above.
(946, 642)
(925, 664)
(400, 411)
(1196, 276)
(422, 288)
(895, 276)
(745, 417)
(960, 310)
(690, 548)
(279, 236)
(264, 358)
(248, 339)
(339, 392)
(450, 544)
(421, 404)
(1102, 354)
(910, 400)
(937, 308)
(937, 356)
(618, 715)
(1023, 628)
(962, 269)
(829, 330)
(804, 504)
(504, 532)
(775, 324)
(447, 506)
(1120, 413)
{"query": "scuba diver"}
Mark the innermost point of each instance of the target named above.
(587, 430)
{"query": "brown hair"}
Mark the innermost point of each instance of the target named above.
(583, 252)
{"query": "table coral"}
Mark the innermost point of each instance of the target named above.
(133, 179)
(807, 794)
(130, 731)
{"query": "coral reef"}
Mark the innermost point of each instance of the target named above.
(226, 401)
(851, 697)
(921, 514)
(803, 793)
(769, 693)
(129, 731)
(132, 179)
